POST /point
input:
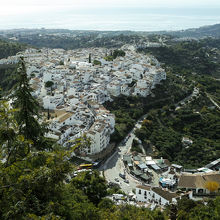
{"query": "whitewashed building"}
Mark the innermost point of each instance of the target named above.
(51, 102)
(155, 195)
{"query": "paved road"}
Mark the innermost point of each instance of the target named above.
(210, 98)
(188, 98)
(114, 165)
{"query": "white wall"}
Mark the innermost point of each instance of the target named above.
(143, 195)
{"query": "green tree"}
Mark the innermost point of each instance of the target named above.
(97, 62)
(49, 84)
(13, 146)
(92, 184)
(61, 62)
(27, 115)
(118, 53)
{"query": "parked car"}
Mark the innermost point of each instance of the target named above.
(122, 175)
(113, 184)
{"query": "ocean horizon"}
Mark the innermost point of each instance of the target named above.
(113, 19)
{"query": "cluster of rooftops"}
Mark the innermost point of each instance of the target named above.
(79, 88)
(181, 182)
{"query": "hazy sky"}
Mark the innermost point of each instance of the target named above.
(108, 14)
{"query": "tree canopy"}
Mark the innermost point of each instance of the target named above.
(27, 114)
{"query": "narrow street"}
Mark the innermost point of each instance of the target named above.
(114, 165)
(214, 103)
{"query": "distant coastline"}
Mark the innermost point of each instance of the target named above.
(164, 19)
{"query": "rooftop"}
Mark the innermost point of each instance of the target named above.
(198, 180)
(144, 187)
(164, 193)
(65, 116)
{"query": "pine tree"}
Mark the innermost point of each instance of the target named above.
(27, 115)
(13, 146)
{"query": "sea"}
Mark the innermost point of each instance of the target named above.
(134, 19)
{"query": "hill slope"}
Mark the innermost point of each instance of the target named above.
(8, 48)
(205, 31)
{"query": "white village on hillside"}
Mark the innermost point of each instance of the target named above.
(72, 89)
(79, 89)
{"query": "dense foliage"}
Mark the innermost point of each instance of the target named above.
(118, 53)
(135, 147)
(8, 77)
(27, 115)
(74, 41)
(196, 63)
(38, 185)
(129, 109)
(8, 48)
(190, 56)
(187, 209)
(198, 121)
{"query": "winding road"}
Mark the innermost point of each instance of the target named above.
(114, 165)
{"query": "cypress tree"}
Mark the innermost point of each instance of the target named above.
(90, 58)
(48, 114)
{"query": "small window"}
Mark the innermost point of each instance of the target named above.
(139, 191)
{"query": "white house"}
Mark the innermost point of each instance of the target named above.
(155, 195)
(143, 193)
(198, 182)
(114, 89)
(99, 135)
(138, 91)
(125, 90)
(47, 76)
(71, 91)
(51, 102)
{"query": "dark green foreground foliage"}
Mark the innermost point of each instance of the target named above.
(28, 115)
(190, 210)
(35, 185)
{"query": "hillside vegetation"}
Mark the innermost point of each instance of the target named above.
(8, 77)
(8, 48)
(197, 63)
(198, 121)
(129, 109)
(204, 31)
(199, 57)
(7, 72)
